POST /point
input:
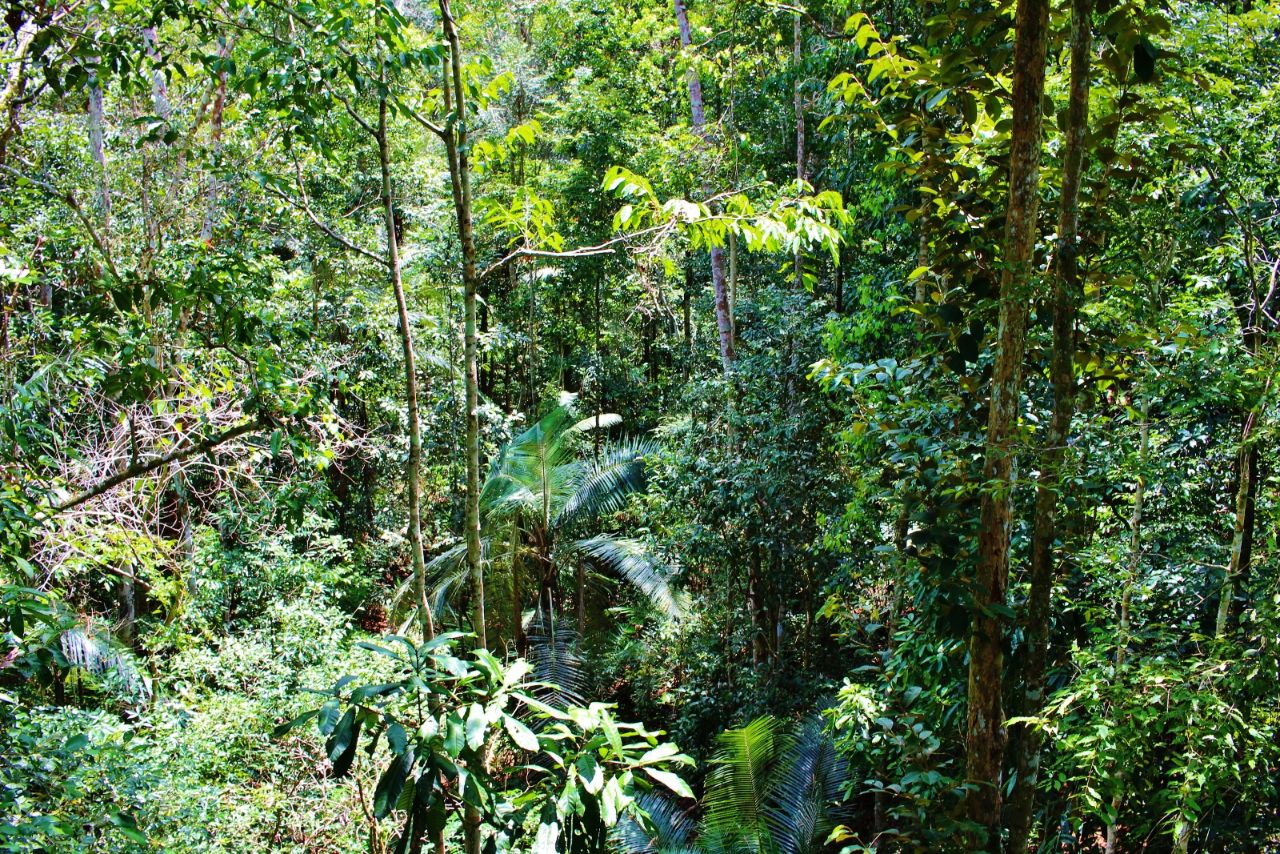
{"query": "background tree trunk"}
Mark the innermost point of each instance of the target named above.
(985, 729)
(719, 279)
(460, 174)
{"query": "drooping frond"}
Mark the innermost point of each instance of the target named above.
(635, 563)
(553, 655)
(446, 577)
(606, 482)
(662, 827)
(535, 472)
(95, 654)
(737, 793)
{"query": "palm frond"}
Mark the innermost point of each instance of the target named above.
(603, 421)
(804, 789)
(97, 655)
(661, 826)
(738, 785)
(606, 482)
(553, 656)
(636, 563)
(446, 577)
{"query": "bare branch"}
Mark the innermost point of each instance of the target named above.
(141, 468)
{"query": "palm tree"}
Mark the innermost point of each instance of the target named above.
(773, 789)
(541, 507)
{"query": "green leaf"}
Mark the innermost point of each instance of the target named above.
(476, 724)
(590, 772)
(520, 734)
(671, 781)
(343, 735)
(389, 787)
(397, 738)
(327, 716)
(454, 739)
(298, 721)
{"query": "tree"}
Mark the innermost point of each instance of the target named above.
(985, 736)
(1066, 296)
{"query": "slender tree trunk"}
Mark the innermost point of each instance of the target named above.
(215, 124)
(838, 273)
(455, 137)
(460, 174)
(517, 594)
(1066, 298)
(798, 99)
(413, 471)
(1242, 527)
(724, 314)
(755, 608)
(15, 85)
(686, 307)
(97, 148)
(985, 730)
(1130, 579)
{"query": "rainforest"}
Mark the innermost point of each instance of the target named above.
(639, 426)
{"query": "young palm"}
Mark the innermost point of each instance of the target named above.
(773, 789)
(541, 503)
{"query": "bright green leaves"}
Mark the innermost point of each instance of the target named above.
(528, 219)
(775, 221)
(520, 734)
(445, 715)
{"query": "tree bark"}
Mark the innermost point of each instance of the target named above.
(455, 137)
(1066, 300)
(455, 140)
(985, 729)
(413, 472)
(97, 148)
(517, 594)
(719, 279)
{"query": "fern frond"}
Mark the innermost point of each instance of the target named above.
(738, 785)
(659, 826)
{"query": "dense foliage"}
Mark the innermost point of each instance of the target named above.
(630, 426)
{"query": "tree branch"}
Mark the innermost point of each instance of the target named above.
(138, 469)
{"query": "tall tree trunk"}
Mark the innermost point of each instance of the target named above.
(455, 138)
(413, 471)
(15, 84)
(686, 303)
(1242, 526)
(1256, 327)
(798, 100)
(98, 150)
(1066, 299)
(517, 594)
(460, 177)
(719, 280)
(985, 730)
(755, 608)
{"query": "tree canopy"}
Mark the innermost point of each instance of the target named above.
(631, 426)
